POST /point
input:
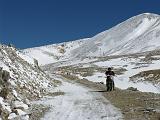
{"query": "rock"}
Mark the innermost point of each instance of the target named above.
(4, 92)
(26, 101)
(12, 116)
(150, 109)
(21, 116)
(4, 106)
(1, 72)
(99, 82)
(132, 89)
(4, 109)
(14, 93)
(25, 117)
(36, 63)
(1, 100)
(5, 75)
(19, 105)
(11, 45)
(20, 112)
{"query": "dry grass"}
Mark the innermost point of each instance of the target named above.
(38, 111)
(53, 94)
(55, 83)
(135, 105)
(151, 76)
(87, 71)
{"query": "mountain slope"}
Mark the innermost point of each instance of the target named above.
(53, 53)
(21, 80)
(138, 34)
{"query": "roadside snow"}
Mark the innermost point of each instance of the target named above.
(79, 103)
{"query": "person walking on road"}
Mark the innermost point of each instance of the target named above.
(109, 81)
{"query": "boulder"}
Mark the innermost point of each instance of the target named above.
(132, 89)
(12, 116)
(5, 109)
(19, 105)
(4, 92)
(26, 101)
(36, 63)
(4, 84)
(5, 75)
(20, 112)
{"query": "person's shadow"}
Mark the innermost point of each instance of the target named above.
(99, 91)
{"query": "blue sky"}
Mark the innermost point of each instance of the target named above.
(29, 23)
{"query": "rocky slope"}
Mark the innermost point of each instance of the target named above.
(21, 80)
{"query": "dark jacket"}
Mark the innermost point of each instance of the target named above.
(109, 73)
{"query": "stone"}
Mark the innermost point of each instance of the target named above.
(132, 89)
(5, 75)
(4, 92)
(19, 105)
(12, 116)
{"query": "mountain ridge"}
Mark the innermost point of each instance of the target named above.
(138, 34)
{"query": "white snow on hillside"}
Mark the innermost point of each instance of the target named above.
(53, 53)
(27, 58)
(138, 34)
(41, 56)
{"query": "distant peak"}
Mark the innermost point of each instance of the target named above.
(142, 16)
(149, 15)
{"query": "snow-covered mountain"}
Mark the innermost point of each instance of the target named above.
(138, 34)
(132, 49)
